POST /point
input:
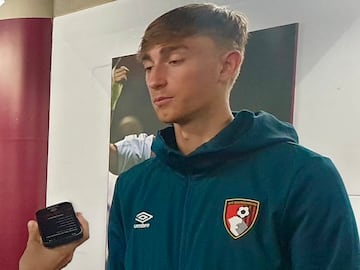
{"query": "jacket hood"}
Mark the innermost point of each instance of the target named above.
(247, 133)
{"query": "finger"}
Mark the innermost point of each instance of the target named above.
(33, 229)
(85, 226)
(121, 78)
(124, 68)
(120, 72)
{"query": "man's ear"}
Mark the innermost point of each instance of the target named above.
(231, 64)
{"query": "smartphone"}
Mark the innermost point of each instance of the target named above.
(58, 225)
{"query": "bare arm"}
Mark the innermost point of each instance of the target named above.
(113, 159)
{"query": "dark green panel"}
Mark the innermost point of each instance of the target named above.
(266, 81)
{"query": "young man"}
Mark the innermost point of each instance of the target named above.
(223, 191)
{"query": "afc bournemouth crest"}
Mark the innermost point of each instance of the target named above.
(239, 216)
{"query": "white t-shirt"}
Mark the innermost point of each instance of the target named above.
(132, 150)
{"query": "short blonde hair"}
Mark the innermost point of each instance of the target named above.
(227, 28)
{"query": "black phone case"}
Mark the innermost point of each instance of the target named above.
(58, 225)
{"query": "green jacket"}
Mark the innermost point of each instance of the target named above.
(251, 198)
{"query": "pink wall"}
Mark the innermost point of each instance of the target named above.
(25, 59)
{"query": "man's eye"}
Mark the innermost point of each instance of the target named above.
(176, 61)
(147, 68)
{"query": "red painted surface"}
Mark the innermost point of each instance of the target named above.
(25, 60)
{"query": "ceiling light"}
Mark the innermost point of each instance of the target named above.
(2, 2)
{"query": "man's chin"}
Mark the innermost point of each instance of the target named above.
(167, 122)
(166, 119)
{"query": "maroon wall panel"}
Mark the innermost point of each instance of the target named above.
(25, 60)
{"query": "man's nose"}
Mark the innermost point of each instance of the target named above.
(156, 77)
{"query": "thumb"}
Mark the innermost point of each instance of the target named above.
(33, 229)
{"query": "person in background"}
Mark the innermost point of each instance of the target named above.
(224, 191)
(135, 146)
(129, 151)
(38, 257)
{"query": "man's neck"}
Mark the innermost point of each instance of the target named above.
(195, 133)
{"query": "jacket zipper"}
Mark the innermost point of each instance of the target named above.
(183, 225)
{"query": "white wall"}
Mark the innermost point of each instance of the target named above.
(327, 80)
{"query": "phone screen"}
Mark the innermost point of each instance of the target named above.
(58, 224)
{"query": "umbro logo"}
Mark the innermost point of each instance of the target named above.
(142, 218)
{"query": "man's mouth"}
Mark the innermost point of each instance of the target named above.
(161, 100)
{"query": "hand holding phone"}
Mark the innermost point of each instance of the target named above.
(58, 225)
(38, 257)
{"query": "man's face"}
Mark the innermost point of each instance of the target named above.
(183, 79)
